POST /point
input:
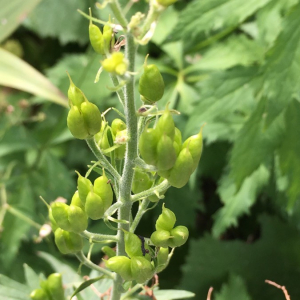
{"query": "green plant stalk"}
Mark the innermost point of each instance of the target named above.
(96, 237)
(81, 257)
(130, 156)
(100, 156)
(116, 83)
(142, 209)
(152, 191)
(23, 217)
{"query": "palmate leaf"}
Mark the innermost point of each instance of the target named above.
(236, 202)
(269, 20)
(226, 100)
(236, 50)
(274, 256)
(282, 70)
(234, 289)
(255, 144)
(290, 150)
(209, 16)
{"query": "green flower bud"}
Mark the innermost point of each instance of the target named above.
(108, 37)
(103, 189)
(116, 64)
(76, 201)
(151, 84)
(94, 206)
(160, 238)
(77, 218)
(162, 259)
(92, 117)
(166, 154)
(60, 213)
(141, 269)
(117, 125)
(53, 223)
(148, 145)
(84, 186)
(96, 38)
(120, 265)
(179, 236)
(166, 125)
(133, 244)
(195, 146)
(166, 220)
(104, 141)
(75, 95)
(39, 294)
(55, 286)
(76, 125)
(68, 242)
(182, 170)
(177, 136)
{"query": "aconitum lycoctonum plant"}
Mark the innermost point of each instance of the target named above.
(141, 154)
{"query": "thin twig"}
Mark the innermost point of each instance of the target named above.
(281, 287)
(209, 293)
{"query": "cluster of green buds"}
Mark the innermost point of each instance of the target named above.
(51, 289)
(141, 263)
(112, 139)
(84, 118)
(166, 235)
(102, 43)
(162, 147)
(68, 221)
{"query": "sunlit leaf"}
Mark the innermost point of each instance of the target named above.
(16, 73)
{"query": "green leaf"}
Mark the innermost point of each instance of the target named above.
(13, 290)
(165, 26)
(15, 229)
(221, 106)
(16, 139)
(235, 289)
(255, 144)
(68, 25)
(16, 73)
(86, 284)
(273, 256)
(68, 274)
(32, 279)
(283, 66)
(237, 203)
(215, 15)
(172, 294)
(83, 69)
(289, 152)
(12, 14)
(269, 20)
(236, 50)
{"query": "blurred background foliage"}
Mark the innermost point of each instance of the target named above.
(233, 64)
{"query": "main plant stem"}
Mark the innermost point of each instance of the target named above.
(130, 156)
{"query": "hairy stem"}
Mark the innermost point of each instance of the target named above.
(96, 237)
(93, 266)
(100, 156)
(152, 191)
(142, 209)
